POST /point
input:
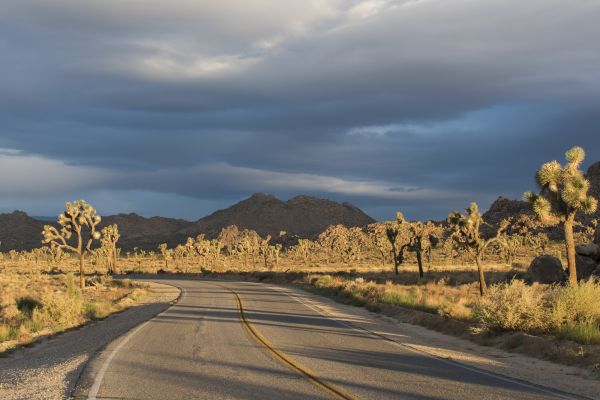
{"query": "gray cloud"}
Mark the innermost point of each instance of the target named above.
(206, 102)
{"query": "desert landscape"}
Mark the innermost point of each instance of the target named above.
(347, 199)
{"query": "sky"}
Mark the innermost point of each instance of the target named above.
(181, 107)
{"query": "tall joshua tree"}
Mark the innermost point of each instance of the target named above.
(466, 237)
(80, 219)
(563, 193)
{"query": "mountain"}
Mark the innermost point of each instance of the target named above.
(304, 216)
(504, 208)
(19, 231)
(147, 233)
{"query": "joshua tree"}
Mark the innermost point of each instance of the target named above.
(274, 251)
(304, 248)
(467, 238)
(110, 237)
(564, 192)
(422, 238)
(379, 240)
(78, 216)
(263, 248)
(166, 253)
(393, 234)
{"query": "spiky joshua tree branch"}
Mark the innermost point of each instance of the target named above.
(77, 216)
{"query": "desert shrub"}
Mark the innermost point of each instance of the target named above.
(97, 310)
(577, 304)
(396, 297)
(27, 304)
(322, 281)
(514, 306)
(456, 308)
(9, 311)
(58, 311)
(8, 333)
(72, 289)
(581, 333)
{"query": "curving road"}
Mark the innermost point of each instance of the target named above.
(234, 340)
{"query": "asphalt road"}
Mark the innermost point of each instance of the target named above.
(282, 348)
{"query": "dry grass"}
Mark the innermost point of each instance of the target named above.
(35, 303)
(570, 312)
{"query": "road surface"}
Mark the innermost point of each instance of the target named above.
(237, 340)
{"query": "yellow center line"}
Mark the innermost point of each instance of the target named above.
(328, 387)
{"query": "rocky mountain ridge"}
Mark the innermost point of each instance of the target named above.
(304, 216)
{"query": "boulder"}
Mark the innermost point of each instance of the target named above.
(596, 273)
(546, 269)
(590, 250)
(597, 238)
(585, 266)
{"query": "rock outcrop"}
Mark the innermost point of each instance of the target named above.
(546, 269)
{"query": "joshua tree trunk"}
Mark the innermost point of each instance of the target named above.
(420, 262)
(570, 243)
(114, 259)
(395, 258)
(482, 284)
(81, 276)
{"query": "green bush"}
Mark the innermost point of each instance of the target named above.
(584, 334)
(577, 305)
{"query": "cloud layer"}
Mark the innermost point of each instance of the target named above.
(420, 106)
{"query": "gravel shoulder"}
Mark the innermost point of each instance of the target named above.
(51, 367)
(538, 372)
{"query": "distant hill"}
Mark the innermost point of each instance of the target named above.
(504, 208)
(19, 231)
(304, 216)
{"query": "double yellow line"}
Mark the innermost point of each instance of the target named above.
(328, 387)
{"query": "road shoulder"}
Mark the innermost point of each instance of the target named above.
(496, 361)
(52, 367)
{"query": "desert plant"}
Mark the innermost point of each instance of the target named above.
(396, 236)
(377, 234)
(514, 306)
(422, 237)
(166, 253)
(77, 216)
(466, 235)
(110, 237)
(564, 192)
(577, 305)
(263, 248)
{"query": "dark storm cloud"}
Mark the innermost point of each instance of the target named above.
(414, 105)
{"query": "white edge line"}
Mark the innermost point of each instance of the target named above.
(100, 376)
(419, 351)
